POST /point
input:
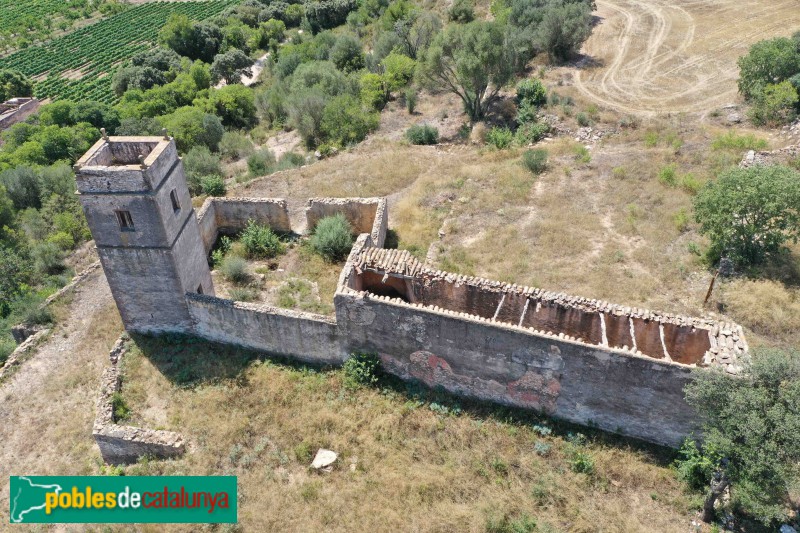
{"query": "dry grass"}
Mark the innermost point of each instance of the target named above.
(299, 279)
(405, 463)
(768, 308)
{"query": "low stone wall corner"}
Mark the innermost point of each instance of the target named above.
(126, 444)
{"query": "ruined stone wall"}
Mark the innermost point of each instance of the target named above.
(617, 391)
(207, 223)
(366, 215)
(126, 444)
(17, 112)
(232, 214)
(305, 336)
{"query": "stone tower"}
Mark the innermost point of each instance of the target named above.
(134, 194)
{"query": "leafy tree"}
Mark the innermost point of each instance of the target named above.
(417, 32)
(345, 122)
(327, 14)
(195, 40)
(398, 70)
(139, 126)
(751, 433)
(374, 92)
(22, 186)
(13, 84)
(750, 213)
(142, 78)
(235, 105)
(563, 30)
(59, 113)
(200, 163)
(190, 126)
(774, 104)
(768, 62)
(95, 113)
(269, 35)
(347, 53)
(236, 36)
(470, 60)
(161, 59)
(231, 66)
(557, 27)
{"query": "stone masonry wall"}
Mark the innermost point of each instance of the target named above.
(472, 356)
(306, 336)
(232, 214)
(366, 215)
(126, 444)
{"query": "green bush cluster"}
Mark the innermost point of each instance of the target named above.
(260, 242)
(361, 369)
(500, 138)
(769, 78)
(535, 160)
(332, 237)
(422, 134)
(234, 269)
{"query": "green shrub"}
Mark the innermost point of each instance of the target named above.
(690, 183)
(531, 132)
(222, 247)
(668, 176)
(32, 311)
(48, 258)
(234, 269)
(121, 410)
(260, 241)
(500, 138)
(581, 462)
(345, 122)
(535, 160)
(361, 368)
(410, 96)
(242, 294)
(733, 141)
(681, 219)
(526, 112)
(213, 185)
(7, 346)
(63, 240)
(583, 119)
(373, 90)
(583, 155)
(261, 162)
(199, 162)
(333, 237)
(532, 91)
(422, 134)
(235, 145)
(398, 70)
(461, 11)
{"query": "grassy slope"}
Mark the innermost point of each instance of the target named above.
(404, 463)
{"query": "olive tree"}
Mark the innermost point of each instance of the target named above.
(470, 60)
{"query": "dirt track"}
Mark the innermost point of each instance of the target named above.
(648, 57)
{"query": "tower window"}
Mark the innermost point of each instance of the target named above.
(199, 289)
(176, 205)
(124, 220)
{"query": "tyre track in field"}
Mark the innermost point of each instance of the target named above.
(661, 56)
